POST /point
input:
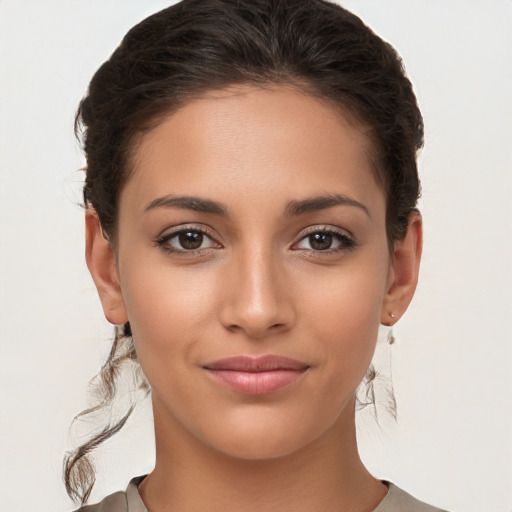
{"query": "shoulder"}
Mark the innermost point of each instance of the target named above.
(113, 503)
(121, 501)
(398, 500)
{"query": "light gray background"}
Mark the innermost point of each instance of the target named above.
(452, 362)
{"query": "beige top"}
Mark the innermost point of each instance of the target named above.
(395, 500)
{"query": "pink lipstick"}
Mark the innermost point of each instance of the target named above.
(256, 376)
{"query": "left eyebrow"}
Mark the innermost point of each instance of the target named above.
(194, 203)
(312, 204)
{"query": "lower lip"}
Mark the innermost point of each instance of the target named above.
(256, 383)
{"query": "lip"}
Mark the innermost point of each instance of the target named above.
(256, 375)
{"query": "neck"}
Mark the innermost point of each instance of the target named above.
(326, 475)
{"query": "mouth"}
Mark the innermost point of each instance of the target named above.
(256, 376)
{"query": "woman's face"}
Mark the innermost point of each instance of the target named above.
(251, 230)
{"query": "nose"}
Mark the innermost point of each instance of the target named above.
(257, 300)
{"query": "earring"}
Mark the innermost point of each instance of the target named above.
(391, 338)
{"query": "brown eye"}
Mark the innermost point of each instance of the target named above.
(325, 240)
(186, 241)
(190, 240)
(320, 241)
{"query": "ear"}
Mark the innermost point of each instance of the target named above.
(403, 271)
(101, 262)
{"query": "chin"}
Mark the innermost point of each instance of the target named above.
(262, 446)
(265, 435)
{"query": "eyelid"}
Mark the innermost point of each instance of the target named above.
(324, 228)
(169, 231)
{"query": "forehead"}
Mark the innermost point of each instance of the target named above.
(249, 139)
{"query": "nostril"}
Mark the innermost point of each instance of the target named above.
(255, 331)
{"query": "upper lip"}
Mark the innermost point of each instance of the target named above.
(266, 363)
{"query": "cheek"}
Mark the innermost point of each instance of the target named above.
(344, 316)
(168, 310)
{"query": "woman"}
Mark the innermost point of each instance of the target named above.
(251, 220)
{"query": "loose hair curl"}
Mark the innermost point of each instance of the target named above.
(196, 46)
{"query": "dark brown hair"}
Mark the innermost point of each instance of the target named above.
(197, 46)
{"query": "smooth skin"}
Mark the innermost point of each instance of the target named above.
(286, 254)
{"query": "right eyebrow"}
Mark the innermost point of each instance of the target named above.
(194, 203)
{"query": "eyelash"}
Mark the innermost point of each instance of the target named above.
(346, 242)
